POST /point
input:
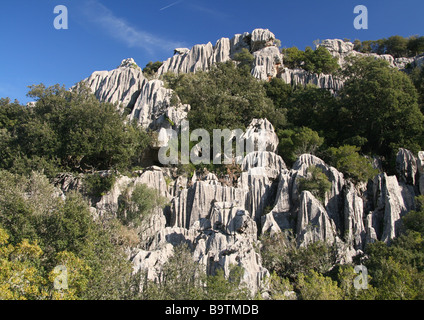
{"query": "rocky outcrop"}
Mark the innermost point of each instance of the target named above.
(121, 85)
(271, 163)
(313, 223)
(406, 166)
(303, 77)
(267, 63)
(392, 201)
(338, 48)
(153, 108)
(260, 135)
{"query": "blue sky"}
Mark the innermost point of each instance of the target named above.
(104, 32)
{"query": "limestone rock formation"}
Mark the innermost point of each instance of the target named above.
(260, 135)
(313, 223)
(303, 77)
(121, 85)
(406, 166)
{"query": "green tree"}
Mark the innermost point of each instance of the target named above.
(354, 166)
(225, 97)
(315, 286)
(21, 277)
(294, 143)
(379, 103)
(69, 130)
(397, 46)
(315, 61)
(280, 254)
(245, 58)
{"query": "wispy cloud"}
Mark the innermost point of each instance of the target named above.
(123, 31)
(212, 12)
(170, 5)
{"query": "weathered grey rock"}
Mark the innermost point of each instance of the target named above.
(196, 203)
(281, 216)
(313, 223)
(303, 77)
(392, 201)
(220, 252)
(338, 48)
(267, 62)
(153, 103)
(403, 63)
(230, 219)
(333, 199)
(260, 135)
(355, 233)
(257, 189)
(418, 61)
(406, 166)
(272, 163)
(67, 182)
(121, 85)
(261, 38)
(151, 262)
(109, 203)
(420, 168)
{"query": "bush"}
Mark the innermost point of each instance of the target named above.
(67, 131)
(294, 143)
(315, 61)
(97, 184)
(152, 67)
(135, 209)
(354, 166)
(316, 182)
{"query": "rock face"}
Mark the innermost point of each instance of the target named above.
(260, 135)
(313, 223)
(221, 222)
(150, 102)
(302, 77)
(121, 85)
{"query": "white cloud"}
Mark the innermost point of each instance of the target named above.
(170, 5)
(121, 30)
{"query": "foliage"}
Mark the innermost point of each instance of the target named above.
(281, 254)
(354, 166)
(152, 67)
(225, 97)
(97, 184)
(314, 61)
(294, 143)
(136, 208)
(219, 287)
(417, 77)
(244, 58)
(65, 231)
(316, 182)
(67, 131)
(379, 104)
(315, 286)
(396, 46)
(414, 220)
(20, 274)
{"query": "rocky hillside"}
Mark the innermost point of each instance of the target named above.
(222, 220)
(222, 223)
